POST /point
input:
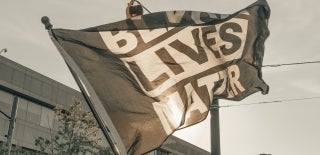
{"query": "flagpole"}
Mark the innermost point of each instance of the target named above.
(215, 128)
(94, 112)
(116, 146)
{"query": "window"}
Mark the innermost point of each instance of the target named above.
(5, 108)
(46, 119)
(6, 102)
(33, 113)
(22, 109)
(19, 130)
(31, 132)
(6, 98)
(3, 127)
(162, 152)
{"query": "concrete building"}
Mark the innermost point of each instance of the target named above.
(38, 95)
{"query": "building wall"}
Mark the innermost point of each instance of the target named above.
(33, 120)
(38, 95)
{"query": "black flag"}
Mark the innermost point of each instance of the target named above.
(159, 72)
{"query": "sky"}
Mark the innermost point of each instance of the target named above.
(279, 128)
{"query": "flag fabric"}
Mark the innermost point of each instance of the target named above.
(160, 72)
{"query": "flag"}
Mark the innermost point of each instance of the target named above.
(160, 72)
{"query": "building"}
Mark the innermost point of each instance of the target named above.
(38, 95)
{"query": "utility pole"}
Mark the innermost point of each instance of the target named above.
(215, 128)
(14, 110)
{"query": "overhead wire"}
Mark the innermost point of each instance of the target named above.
(267, 102)
(290, 64)
(275, 101)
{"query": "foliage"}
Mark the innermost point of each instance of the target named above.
(15, 150)
(78, 133)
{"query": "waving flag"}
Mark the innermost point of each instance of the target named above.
(159, 72)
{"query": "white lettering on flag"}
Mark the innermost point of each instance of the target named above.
(187, 54)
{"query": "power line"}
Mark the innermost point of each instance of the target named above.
(268, 102)
(290, 64)
(275, 101)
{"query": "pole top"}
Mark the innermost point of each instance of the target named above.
(46, 21)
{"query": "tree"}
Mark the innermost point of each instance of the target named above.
(15, 150)
(78, 133)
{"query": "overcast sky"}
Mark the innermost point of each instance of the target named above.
(284, 128)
